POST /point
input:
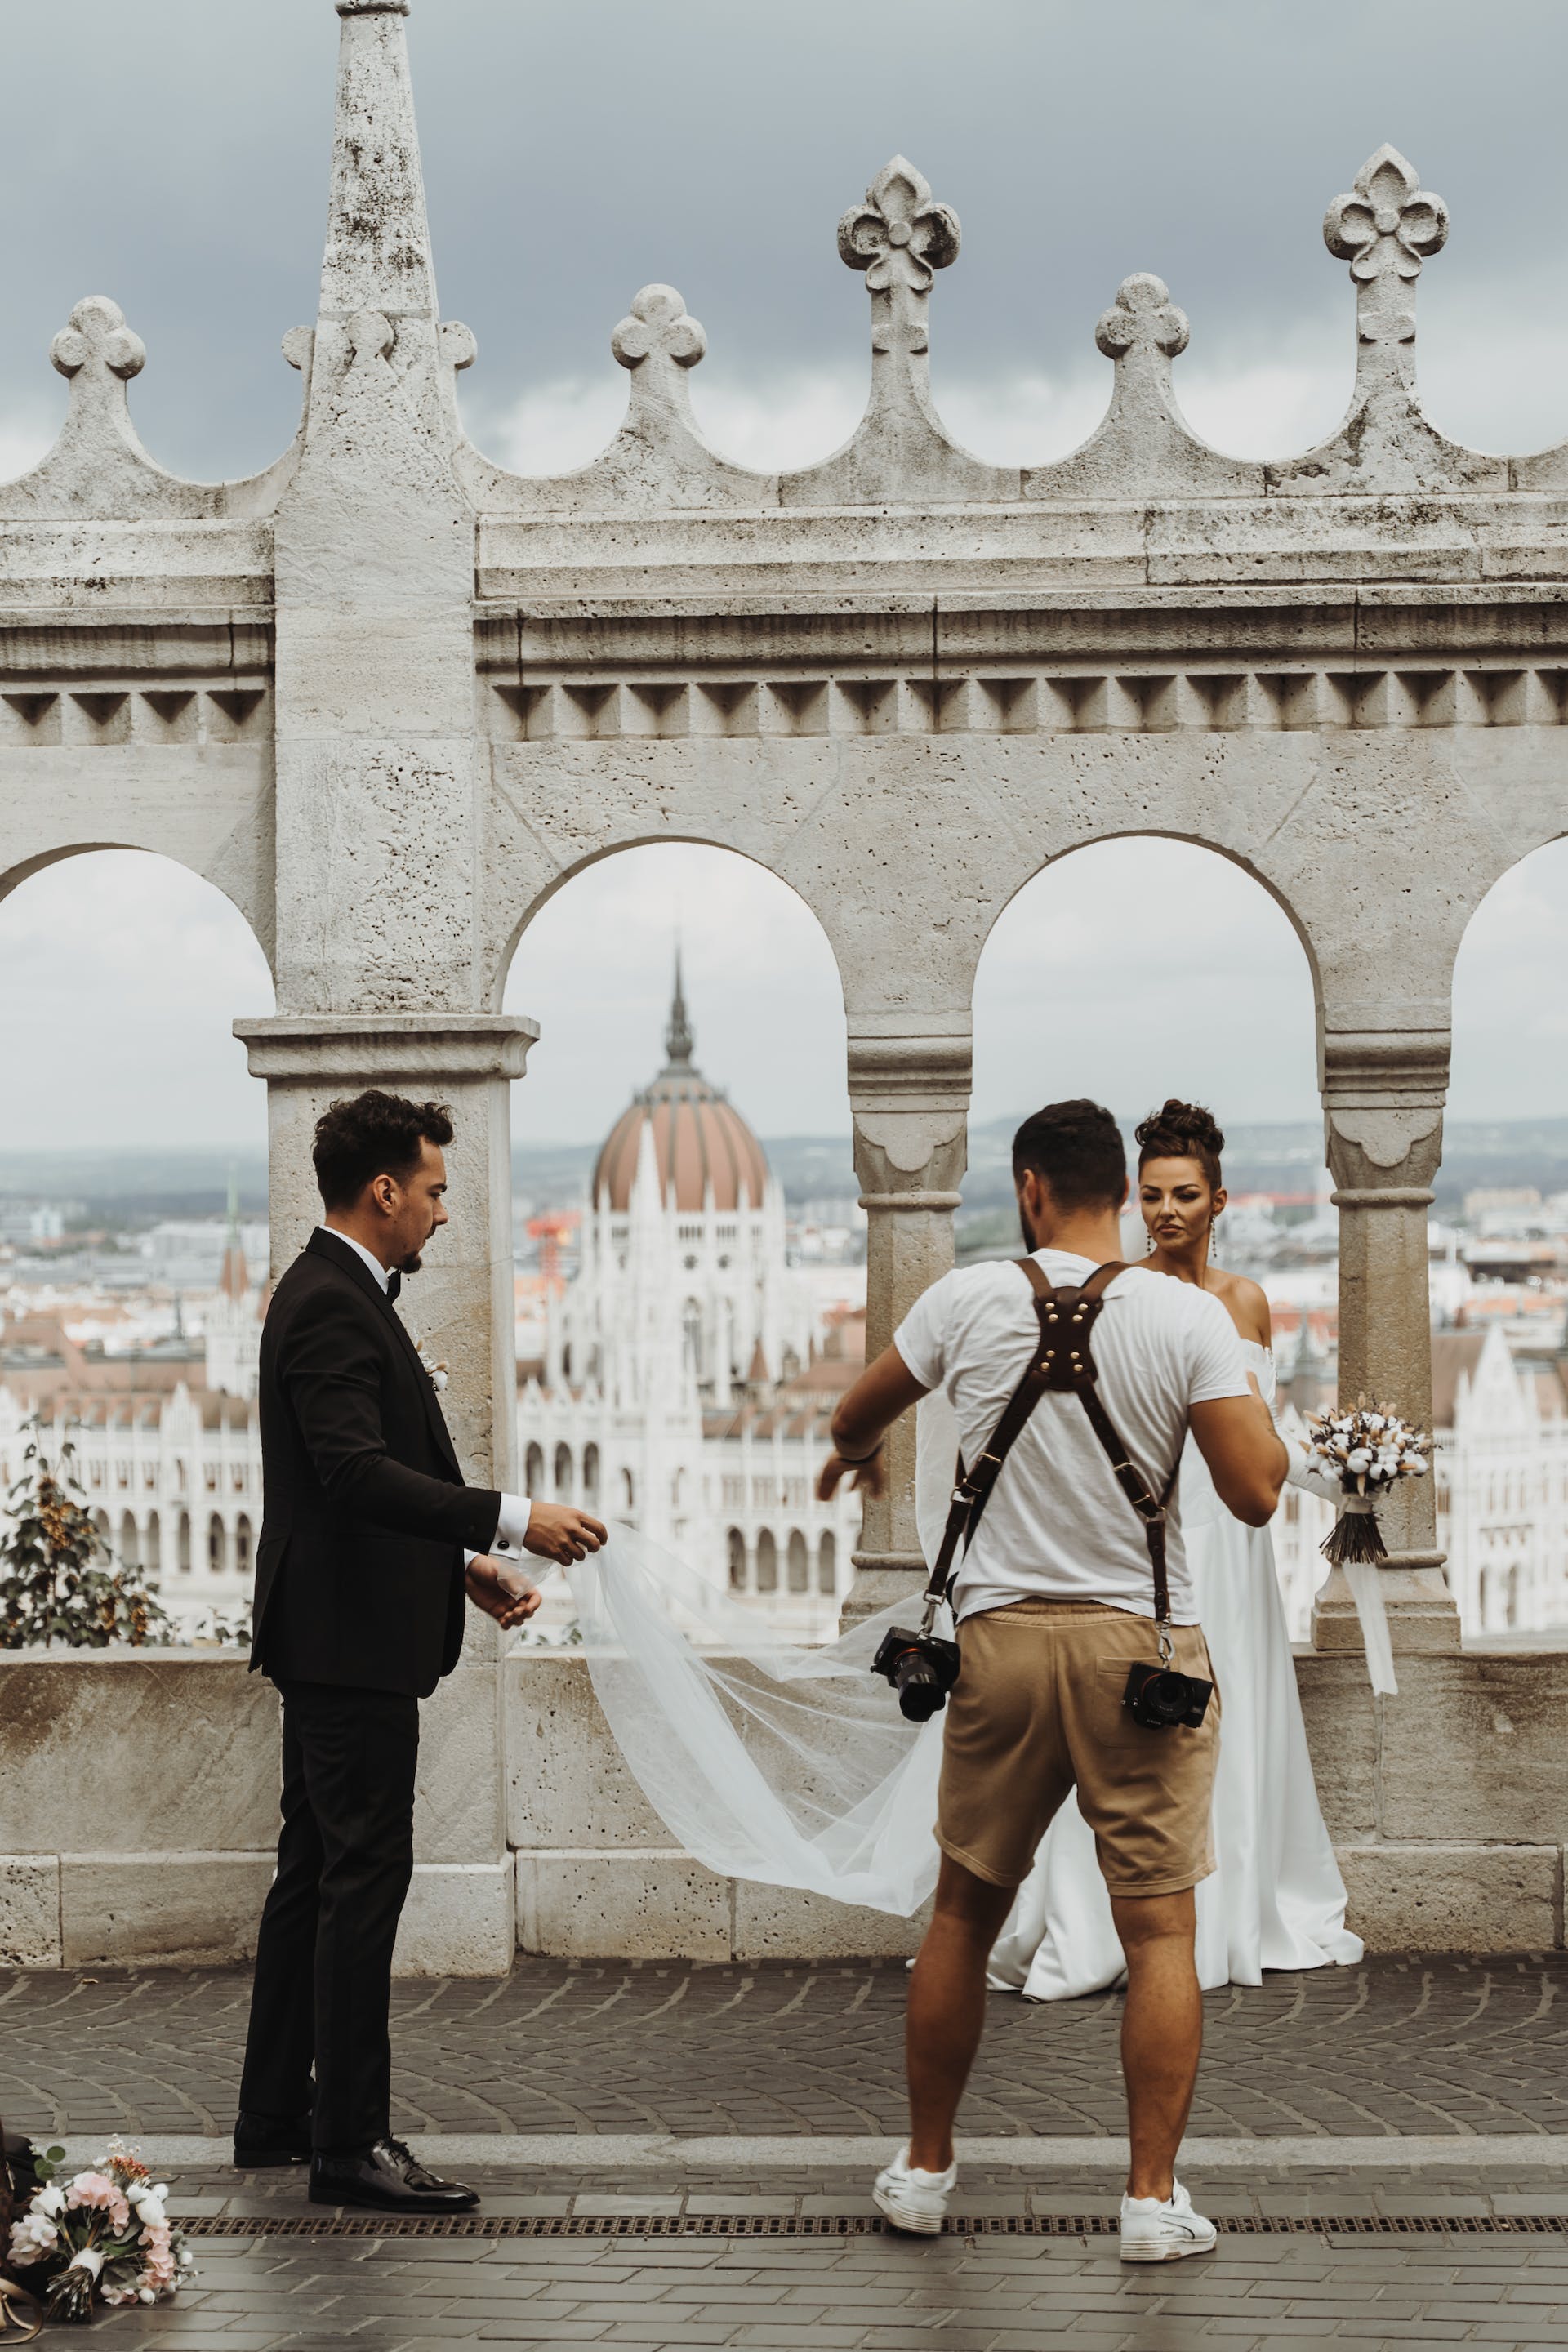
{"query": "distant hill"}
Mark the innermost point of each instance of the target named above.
(136, 1184)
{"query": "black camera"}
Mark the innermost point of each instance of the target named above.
(1162, 1699)
(920, 1668)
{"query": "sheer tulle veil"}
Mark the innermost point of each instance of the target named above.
(764, 1760)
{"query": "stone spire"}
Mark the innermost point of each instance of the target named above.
(377, 253)
(235, 1279)
(678, 1038)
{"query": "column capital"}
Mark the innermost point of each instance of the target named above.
(1383, 1091)
(321, 1049)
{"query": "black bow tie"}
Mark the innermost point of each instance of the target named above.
(393, 1282)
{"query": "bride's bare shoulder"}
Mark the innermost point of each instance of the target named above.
(1246, 1302)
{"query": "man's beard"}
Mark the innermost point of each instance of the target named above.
(411, 1265)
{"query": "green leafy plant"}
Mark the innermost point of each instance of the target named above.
(54, 1586)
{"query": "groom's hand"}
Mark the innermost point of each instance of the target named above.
(559, 1531)
(503, 1593)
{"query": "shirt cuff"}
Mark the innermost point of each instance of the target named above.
(512, 1526)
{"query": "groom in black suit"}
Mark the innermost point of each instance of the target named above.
(369, 1540)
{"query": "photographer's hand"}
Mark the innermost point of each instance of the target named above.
(866, 1413)
(866, 1477)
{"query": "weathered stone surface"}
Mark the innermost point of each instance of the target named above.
(461, 1920)
(29, 1911)
(1455, 1898)
(784, 1923)
(1473, 1749)
(1341, 1719)
(567, 1784)
(156, 1750)
(636, 1902)
(174, 1908)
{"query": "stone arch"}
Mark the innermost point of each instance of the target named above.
(248, 891)
(565, 1475)
(767, 1561)
(827, 1562)
(534, 1470)
(1510, 988)
(168, 978)
(1212, 845)
(735, 1544)
(129, 1541)
(798, 1562)
(540, 896)
(243, 1548)
(589, 1478)
(217, 1544)
(1062, 946)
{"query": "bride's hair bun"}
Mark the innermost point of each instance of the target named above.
(1181, 1130)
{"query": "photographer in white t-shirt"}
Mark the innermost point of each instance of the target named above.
(1055, 1603)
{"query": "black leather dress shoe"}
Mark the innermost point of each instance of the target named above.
(389, 2179)
(263, 2140)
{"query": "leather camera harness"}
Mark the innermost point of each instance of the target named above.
(1063, 1365)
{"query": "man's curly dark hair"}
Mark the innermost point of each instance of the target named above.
(374, 1135)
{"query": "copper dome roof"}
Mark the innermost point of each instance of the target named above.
(699, 1140)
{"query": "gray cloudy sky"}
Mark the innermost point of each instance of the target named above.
(174, 154)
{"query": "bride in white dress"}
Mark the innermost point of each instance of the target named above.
(1276, 1899)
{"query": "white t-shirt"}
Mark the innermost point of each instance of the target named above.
(1057, 1526)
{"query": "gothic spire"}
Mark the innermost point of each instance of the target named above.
(678, 1038)
(377, 255)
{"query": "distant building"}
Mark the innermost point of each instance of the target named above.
(689, 1375)
(167, 1447)
(1501, 1468)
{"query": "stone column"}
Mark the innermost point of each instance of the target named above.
(1382, 1098)
(460, 1916)
(909, 1090)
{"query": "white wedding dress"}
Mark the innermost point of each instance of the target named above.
(1277, 1899)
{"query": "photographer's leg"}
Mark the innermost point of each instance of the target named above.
(947, 2006)
(1162, 2031)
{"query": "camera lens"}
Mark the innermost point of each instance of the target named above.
(919, 1687)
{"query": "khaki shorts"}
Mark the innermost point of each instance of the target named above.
(1037, 1711)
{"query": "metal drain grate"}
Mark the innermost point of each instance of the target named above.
(848, 2225)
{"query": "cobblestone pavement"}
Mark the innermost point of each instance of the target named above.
(1410, 2047)
(873, 2293)
(1396, 2045)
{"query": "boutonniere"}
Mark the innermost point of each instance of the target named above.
(437, 1371)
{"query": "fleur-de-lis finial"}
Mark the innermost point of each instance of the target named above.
(899, 238)
(99, 354)
(1385, 228)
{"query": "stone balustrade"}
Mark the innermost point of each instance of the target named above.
(138, 1808)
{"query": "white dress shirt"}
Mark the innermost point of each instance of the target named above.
(507, 1541)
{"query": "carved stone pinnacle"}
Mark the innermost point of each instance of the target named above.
(1142, 315)
(658, 326)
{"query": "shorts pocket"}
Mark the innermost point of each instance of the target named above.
(1113, 1724)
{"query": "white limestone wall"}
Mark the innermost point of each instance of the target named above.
(138, 1797)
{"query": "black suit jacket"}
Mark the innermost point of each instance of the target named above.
(359, 1571)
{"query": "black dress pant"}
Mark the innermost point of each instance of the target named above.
(323, 1958)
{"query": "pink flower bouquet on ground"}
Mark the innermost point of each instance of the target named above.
(103, 2236)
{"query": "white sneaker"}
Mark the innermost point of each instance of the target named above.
(1156, 2231)
(912, 2200)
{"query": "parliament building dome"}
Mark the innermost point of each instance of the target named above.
(702, 1147)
